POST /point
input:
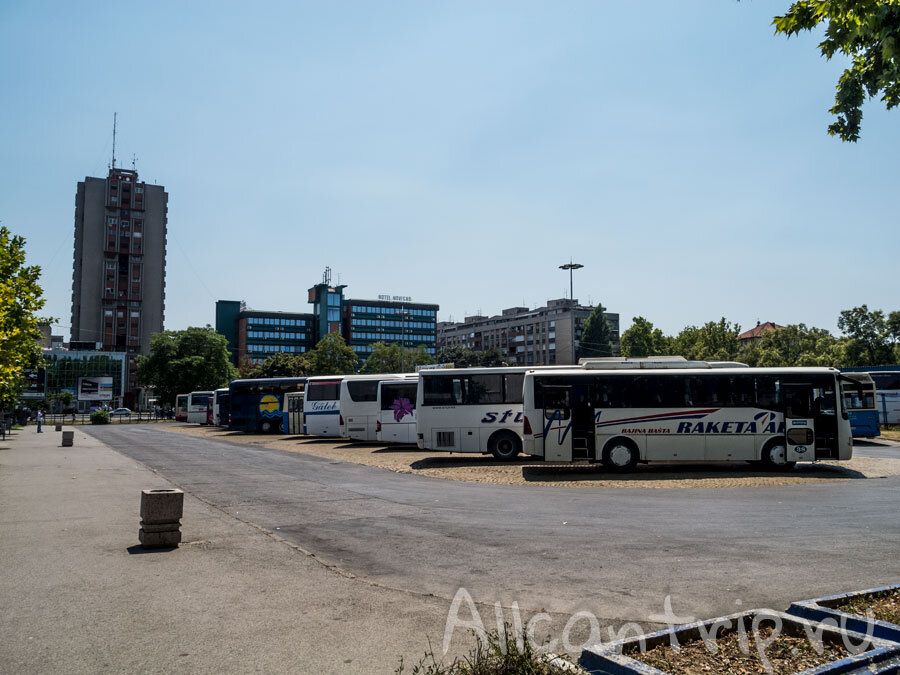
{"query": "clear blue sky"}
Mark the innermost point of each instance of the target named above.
(458, 152)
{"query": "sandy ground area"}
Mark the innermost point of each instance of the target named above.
(528, 471)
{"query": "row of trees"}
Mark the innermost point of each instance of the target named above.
(870, 338)
(20, 299)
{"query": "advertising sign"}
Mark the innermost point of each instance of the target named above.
(95, 388)
(36, 380)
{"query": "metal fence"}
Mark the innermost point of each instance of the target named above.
(85, 418)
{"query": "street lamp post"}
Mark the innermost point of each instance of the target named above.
(572, 266)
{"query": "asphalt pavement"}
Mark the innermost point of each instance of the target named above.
(614, 552)
(77, 595)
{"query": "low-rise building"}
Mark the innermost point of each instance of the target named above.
(548, 335)
(748, 337)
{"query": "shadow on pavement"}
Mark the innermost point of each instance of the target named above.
(667, 472)
(137, 549)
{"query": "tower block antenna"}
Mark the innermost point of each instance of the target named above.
(115, 115)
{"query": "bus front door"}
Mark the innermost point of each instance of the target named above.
(799, 423)
(557, 424)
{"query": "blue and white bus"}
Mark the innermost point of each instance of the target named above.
(887, 391)
(322, 406)
(858, 392)
(256, 404)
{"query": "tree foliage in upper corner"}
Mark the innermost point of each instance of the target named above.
(393, 358)
(331, 356)
(462, 357)
(277, 365)
(866, 31)
(642, 339)
(20, 298)
(182, 361)
(596, 339)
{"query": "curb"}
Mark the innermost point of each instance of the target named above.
(820, 609)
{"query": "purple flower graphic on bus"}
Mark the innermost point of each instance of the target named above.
(401, 407)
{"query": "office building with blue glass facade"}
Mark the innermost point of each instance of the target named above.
(255, 335)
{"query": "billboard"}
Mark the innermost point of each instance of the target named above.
(36, 380)
(95, 388)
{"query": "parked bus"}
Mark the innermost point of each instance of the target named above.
(217, 406)
(887, 390)
(621, 417)
(196, 408)
(224, 418)
(322, 406)
(358, 406)
(471, 410)
(292, 413)
(181, 404)
(858, 392)
(396, 402)
(256, 404)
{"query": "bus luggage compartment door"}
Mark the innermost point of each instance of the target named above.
(799, 423)
(557, 424)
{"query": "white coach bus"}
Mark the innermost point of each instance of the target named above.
(777, 416)
(359, 406)
(217, 405)
(322, 406)
(396, 401)
(471, 410)
(198, 401)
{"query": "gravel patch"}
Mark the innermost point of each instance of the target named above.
(528, 471)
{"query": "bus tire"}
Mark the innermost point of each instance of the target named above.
(620, 455)
(505, 446)
(773, 456)
(266, 427)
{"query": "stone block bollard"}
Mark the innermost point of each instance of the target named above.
(68, 439)
(161, 518)
(59, 426)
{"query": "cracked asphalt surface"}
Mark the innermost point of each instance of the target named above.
(617, 553)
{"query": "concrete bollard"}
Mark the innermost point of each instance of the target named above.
(59, 426)
(161, 512)
(68, 439)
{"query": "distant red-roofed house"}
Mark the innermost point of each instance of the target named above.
(748, 337)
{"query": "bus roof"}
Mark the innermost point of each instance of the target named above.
(269, 379)
(691, 371)
(325, 378)
(381, 376)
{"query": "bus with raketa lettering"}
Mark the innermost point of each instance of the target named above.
(621, 417)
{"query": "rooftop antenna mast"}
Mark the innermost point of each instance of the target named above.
(133, 162)
(115, 116)
(326, 277)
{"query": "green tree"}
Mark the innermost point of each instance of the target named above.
(642, 339)
(713, 341)
(182, 361)
(596, 338)
(278, 365)
(870, 336)
(868, 33)
(331, 356)
(795, 345)
(393, 358)
(20, 298)
(461, 357)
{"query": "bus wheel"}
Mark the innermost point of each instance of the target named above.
(620, 455)
(774, 456)
(505, 446)
(266, 427)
